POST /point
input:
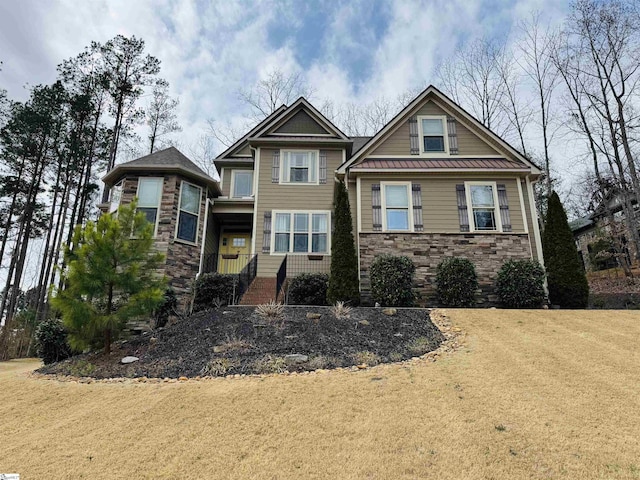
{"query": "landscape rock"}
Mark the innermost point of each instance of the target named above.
(390, 311)
(364, 322)
(313, 316)
(295, 358)
(129, 359)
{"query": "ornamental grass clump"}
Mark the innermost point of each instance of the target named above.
(456, 282)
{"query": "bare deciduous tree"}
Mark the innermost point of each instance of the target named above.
(161, 114)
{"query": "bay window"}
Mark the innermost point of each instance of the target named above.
(149, 195)
(188, 212)
(299, 166)
(301, 232)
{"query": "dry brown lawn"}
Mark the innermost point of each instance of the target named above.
(534, 394)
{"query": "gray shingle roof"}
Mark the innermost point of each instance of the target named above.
(167, 160)
(358, 143)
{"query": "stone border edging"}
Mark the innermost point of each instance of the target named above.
(454, 340)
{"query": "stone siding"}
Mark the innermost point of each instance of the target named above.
(426, 250)
(182, 259)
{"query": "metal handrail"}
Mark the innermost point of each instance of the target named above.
(281, 276)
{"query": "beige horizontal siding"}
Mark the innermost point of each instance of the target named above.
(275, 196)
(469, 143)
(439, 200)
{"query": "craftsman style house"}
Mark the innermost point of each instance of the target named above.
(432, 183)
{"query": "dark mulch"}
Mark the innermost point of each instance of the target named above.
(247, 343)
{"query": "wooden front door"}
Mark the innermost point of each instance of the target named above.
(234, 252)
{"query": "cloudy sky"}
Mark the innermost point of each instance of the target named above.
(356, 50)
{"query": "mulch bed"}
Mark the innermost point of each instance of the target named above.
(236, 340)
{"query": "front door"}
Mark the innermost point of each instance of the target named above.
(234, 252)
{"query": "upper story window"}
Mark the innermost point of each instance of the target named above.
(396, 205)
(433, 134)
(483, 201)
(301, 232)
(149, 195)
(241, 183)
(115, 197)
(299, 166)
(189, 212)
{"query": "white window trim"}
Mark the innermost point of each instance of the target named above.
(274, 213)
(383, 203)
(496, 207)
(175, 235)
(118, 186)
(443, 118)
(233, 182)
(161, 179)
(282, 171)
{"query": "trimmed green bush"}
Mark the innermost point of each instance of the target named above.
(392, 280)
(51, 341)
(213, 290)
(520, 284)
(566, 278)
(343, 281)
(456, 282)
(308, 289)
(166, 309)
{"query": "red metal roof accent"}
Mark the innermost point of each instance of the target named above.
(438, 163)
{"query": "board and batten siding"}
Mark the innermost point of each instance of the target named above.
(439, 200)
(276, 196)
(469, 143)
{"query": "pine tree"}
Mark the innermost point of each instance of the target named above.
(567, 281)
(110, 278)
(343, 281)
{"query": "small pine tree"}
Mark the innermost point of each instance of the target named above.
(567, 281)
(343, 281)
(110, 278)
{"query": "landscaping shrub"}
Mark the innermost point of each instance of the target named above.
(213, 290)
(308, 289)
(343, 282)
(51, 341)
(392, 280)
(456, 282)
(166, 309)
(520, 284)
(566, 278)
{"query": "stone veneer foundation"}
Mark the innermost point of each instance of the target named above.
(487, 251)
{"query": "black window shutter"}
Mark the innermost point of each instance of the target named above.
(413, 135)
(463, 216)
(452, 133)
(266, 239)
(377, 207)
(416, 197)
(323, 166)
(275, 168)
(505, 216)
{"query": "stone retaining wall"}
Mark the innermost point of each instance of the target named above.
(487, 251)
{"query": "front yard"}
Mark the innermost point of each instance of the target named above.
(532, 394)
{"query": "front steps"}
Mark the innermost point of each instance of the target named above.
(262, 290)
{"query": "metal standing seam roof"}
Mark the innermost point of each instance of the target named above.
(440, 163)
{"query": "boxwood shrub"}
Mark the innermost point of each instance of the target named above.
(392, 280)
(51, 341)
(456, 282)
(520, 284)
(167, 308)
(211, 289)
(308, 289)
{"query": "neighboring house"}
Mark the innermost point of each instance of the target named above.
(433, 183)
